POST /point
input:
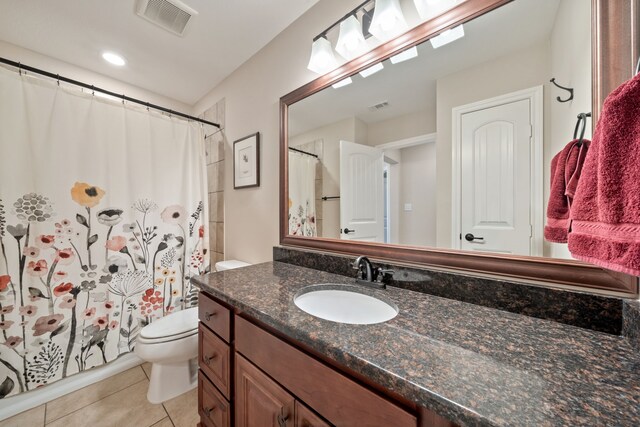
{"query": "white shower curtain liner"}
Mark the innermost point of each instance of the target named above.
(103, 220)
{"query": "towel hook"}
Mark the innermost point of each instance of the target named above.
(582, 120)
(638, 67)
(568, 89)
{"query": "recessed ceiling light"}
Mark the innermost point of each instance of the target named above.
(114, 59)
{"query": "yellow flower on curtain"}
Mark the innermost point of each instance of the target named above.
(86, 195)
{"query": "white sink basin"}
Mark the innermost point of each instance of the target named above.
(345, 306)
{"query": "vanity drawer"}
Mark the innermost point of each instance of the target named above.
(213, 408)
(214, 316)
(213, 358)
(336, 397)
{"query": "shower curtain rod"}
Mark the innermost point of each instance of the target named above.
(303, 152)
(60, 78)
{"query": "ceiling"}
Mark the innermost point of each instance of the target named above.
(223, 35)
(410, 86)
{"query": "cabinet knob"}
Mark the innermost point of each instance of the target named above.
(209, 315)
(208, 411)
(207, 359)
(282, 420)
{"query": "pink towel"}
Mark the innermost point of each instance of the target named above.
(566, 168)
(605, 215)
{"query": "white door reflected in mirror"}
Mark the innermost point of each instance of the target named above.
(496, 180)
(361, 192)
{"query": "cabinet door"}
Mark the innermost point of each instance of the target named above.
(260, 401)
(307, 418)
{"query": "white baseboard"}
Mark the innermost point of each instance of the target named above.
(11, 406)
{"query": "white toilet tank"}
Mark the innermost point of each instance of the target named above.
(230, 264)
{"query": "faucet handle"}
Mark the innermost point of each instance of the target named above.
(382, 273)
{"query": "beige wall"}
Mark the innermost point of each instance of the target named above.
(571, 66)
(418, 187)
(521, 70)
(252, 96)
(47, 63)
(402, 127)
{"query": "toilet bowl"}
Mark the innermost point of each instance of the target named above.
(171, 345)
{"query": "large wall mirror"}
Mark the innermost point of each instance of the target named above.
(436, 148)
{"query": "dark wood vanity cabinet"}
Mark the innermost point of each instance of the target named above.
(260, 401)
(250, 377)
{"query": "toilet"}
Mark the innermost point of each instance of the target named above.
(171, 345)
(230, 264)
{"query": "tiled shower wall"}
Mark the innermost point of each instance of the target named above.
(215, 143)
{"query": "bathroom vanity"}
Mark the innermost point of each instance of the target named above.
(277, 381)
(439, 362)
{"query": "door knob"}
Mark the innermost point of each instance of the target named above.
(347, 231)
(470, 237)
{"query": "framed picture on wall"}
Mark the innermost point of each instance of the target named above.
(246, 161)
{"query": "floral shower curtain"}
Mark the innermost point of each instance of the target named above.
(102, 222)
(302, 194)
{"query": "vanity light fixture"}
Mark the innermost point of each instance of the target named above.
(404, 56)
(372, 70)
(114, 59)
(351, 42)
(322, 57)
(343, 82)
(388, 20)
(386, 23)
(447, 37)
(430, 8)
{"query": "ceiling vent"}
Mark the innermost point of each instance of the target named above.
(380, 106)
(172, 15)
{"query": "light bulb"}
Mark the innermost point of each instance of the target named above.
(351, 42)
(388, 20)
(322, 57)
(343, 82)
(372, 70)
(447, 36)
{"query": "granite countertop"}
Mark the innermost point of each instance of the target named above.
(472, 365)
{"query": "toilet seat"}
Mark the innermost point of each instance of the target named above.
(160, 340)
(175, 326)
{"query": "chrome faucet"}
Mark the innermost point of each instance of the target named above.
(370, 275)
(364, 267)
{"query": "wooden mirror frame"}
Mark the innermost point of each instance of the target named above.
(615, 48)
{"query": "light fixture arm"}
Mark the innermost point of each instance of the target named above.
(335, 24)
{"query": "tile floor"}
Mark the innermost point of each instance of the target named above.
(118, 401)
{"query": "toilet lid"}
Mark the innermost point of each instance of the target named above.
(175, 323)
